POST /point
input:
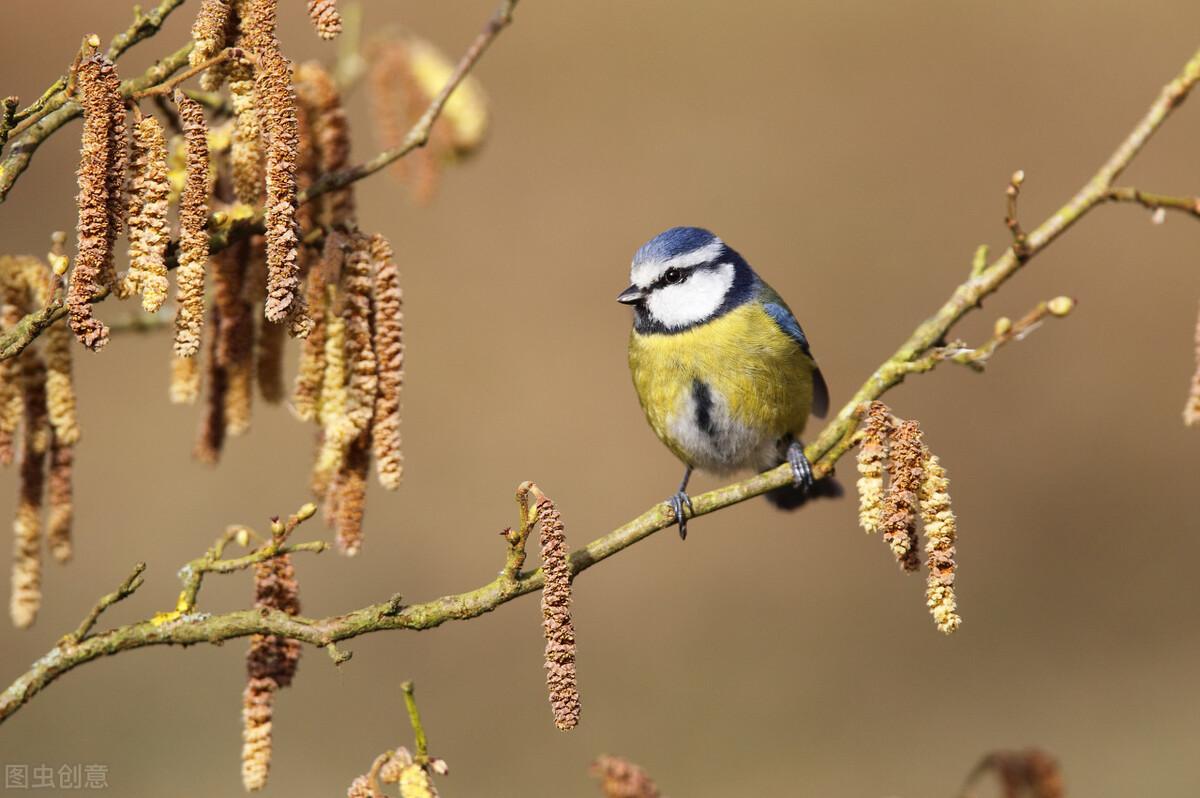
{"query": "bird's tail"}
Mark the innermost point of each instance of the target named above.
(790, 497)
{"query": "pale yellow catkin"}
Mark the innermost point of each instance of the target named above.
(338, 430)
(185, 380)
(941, 531)
(1191, 411)
(149, 230)
(872, 455)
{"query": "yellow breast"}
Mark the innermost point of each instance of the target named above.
(759, 378)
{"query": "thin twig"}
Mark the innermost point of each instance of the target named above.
(167, 87)
(414, 718)
(418, 136)
(1189, 205)
(126, 589)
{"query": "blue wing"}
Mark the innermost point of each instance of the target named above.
(787, 322)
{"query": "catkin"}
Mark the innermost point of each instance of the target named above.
(350, 493)
(209, 31)
(193, 232)
(415, 783)
(211, 437)
(362, 380)
(620, 778)
(270, 665)
(872, 455)
(1191, 411)
(325, 18)
(276, 102)
(60, 497)
(941, 529)
(235, 337)
(26, 596)
(245, 154)
(95, 78)
(556, 617)
(330, 131)
(900, 503)
(118, 167)
(306, 396)
(149, 232)
(337, 429)
(269, 362)
(389, 355)
(185, 380)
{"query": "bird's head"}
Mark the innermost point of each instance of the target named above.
(684, 277)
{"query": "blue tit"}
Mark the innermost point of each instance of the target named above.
(721, 367)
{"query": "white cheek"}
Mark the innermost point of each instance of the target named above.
(693, 300)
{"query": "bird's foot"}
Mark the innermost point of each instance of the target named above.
(802, 474)
(677, 502)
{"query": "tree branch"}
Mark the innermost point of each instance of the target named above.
(833, 442)
(64, 111)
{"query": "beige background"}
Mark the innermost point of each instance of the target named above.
(856, 153)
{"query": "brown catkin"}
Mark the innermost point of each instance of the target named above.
(941, 530)
(269, 362)
(26, 596)
(118, 167)
(193, 229)
(60, 497)
(556, 617)
(872, 455)
(1191, 411)
(149, 231)
(362, 380)
(330, 131)
(235, 336)
(325, 18)
(900, 503)
(349, 501)
(270, 665)
(389, 355)
(276, 102)
(211, 437)
(620, 778)
(94, 229)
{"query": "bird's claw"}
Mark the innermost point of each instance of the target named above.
(677, 503)
(802, 475)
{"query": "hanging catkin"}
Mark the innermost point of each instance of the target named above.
(149, 232)
(276, 103)
(94, 81)
(193, 232)
(362, 381)
(389, 354)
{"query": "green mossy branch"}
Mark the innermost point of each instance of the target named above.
(834, 441)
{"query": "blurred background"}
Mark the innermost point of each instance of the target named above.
(856, 154)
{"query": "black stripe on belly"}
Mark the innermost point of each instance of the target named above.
(704, 405)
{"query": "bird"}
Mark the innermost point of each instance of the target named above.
(721, 367)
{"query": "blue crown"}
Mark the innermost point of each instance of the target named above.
(672, 243)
